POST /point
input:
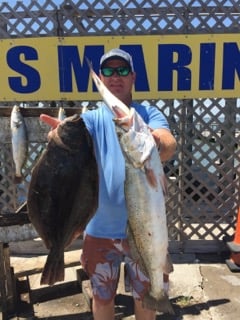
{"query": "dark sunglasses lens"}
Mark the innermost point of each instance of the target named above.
(121, 71)
(107, 72)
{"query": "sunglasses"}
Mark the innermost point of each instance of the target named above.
(121, 71)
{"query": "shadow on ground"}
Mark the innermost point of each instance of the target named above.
(190, 309)
(124, 304)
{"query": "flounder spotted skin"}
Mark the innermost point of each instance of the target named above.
(147, 225)
(63, 192)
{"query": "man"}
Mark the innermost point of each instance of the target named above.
(105, 244)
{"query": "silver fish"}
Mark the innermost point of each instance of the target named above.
(144, 192)
(19, 142)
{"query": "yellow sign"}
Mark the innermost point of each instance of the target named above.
(167, 67)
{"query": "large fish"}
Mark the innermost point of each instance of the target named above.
(144, 192)
(19, 142)
(63, 191)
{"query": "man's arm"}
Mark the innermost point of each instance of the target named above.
(166, 143)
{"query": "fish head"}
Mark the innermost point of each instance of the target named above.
(67, 133)
(16, 118)
(121, 119)
(70, 131)
(137, 147)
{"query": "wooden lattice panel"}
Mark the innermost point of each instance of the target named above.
(83, 17)
(206, 167)
(13, 195)
(205, 172)
(7, 189)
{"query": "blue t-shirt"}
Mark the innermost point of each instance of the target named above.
(110, 218)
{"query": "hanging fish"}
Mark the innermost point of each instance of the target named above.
(61, 113)
(19, 142)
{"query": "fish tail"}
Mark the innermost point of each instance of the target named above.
(168, 267)
(164, 185)
(161, 305)
(51, 121)
(53, 270)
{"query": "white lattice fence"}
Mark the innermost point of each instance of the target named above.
(205, 172)
(85, 17)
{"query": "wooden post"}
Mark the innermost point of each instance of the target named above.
(8, 294)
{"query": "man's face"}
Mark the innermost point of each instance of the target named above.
(120, 86)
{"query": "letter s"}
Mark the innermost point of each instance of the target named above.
(32, 76)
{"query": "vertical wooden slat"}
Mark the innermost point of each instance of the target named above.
(8, 293)
(3, 283)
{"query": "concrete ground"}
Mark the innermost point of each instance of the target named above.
(201, 287)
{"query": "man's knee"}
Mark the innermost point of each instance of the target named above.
(102, 303)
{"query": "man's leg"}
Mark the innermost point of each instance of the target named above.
(142, 313)
(101, 260)
(103, 311)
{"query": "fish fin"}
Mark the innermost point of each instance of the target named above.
(162, 305)
(76, 234)
(168, 267)
(164, 185)
(51, 121)
(53, 270)
(151, 178)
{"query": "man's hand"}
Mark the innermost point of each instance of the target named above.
(165, 142)
(51, 121)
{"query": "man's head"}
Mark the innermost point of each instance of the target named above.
(117, 73)
(117, 54)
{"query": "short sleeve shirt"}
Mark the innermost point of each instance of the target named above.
(110, 218)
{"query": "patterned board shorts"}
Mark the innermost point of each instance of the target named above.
(101, 259)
